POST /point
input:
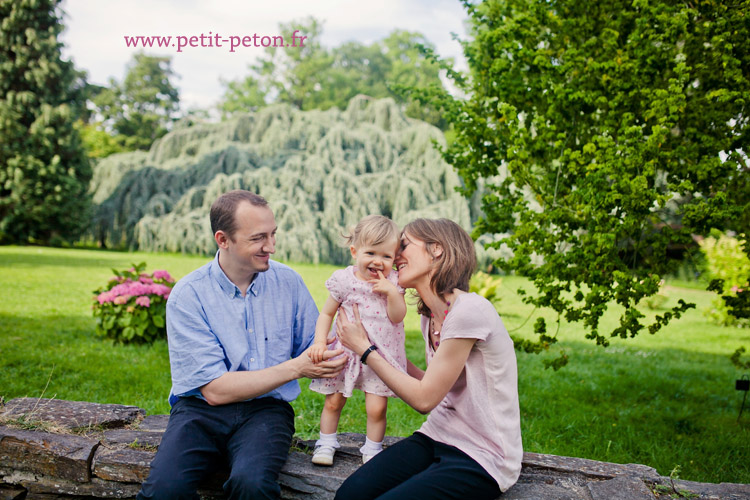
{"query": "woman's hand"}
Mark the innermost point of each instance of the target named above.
(352, 334)
(421, 391)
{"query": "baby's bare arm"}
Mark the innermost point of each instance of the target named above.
(322, 328)
(395, 305)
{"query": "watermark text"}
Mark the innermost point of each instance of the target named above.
(215, 40)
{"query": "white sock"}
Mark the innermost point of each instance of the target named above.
(328, 440)
(371, 448)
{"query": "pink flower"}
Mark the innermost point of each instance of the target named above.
(142, 289)
(131, 289)
(162, 290)
(160, 274)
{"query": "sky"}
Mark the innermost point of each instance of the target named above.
(95, 33)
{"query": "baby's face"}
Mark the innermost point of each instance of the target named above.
(373, 258)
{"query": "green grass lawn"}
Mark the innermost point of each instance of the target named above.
(661, 400)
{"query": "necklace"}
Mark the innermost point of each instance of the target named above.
(434, 330)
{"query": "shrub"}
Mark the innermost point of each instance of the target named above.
(486, 285)
(729, 266)
(657, 300)
(132, 307)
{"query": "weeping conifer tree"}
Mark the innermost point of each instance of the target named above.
(44, 172)
(321, 171)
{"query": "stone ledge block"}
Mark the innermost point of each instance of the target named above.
(156, 423)
(71, 415)
(299, 478)
(543, 491)
(124, 465)
(709, 491)
(547, 485)
(45, 466)
(136, 439)
(96, 488)
(620, 488)
(589, 468)
(57, 455)
(9, 492)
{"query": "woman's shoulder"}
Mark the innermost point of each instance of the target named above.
(473, 308)
(471, 301)
(473, 316)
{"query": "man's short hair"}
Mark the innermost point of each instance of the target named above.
(225, 206)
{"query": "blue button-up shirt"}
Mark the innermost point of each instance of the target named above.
(212, 329)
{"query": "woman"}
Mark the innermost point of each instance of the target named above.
(470, 445)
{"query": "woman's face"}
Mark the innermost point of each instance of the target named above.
(414, 262)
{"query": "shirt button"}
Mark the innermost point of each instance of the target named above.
(252, 360)
(250, 330)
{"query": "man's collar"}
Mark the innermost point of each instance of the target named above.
(254, 287)
(227, 286)
(220, 276)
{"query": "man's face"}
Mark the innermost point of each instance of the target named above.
(254, 241)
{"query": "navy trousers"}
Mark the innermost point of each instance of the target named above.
(251, 438)
(420, 467)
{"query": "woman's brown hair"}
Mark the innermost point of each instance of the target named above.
(454, 267)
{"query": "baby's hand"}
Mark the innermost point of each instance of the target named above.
(382, 285)
(316, 352)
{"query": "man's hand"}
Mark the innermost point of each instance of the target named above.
(327, 368)
(236, 386)
(382, 285)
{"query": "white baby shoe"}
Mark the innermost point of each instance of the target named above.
(323, 455)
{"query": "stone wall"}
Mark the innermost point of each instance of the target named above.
(51, 449)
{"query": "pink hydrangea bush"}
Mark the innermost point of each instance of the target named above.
(132, 307)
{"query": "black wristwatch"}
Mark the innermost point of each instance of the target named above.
(363, 359)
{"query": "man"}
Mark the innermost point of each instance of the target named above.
(238, 329)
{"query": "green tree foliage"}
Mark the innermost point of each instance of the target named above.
(97, 142)
(44, 172)
(314, 77)
(604, 134)
(141, 108)
(321, 171)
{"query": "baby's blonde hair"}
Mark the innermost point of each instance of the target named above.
(373, 230)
